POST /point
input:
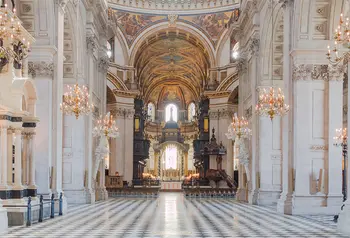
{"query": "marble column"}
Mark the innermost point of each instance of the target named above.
(57, 92)
(9, 156)
(344, 216)
(253, 68)
(25, 173)
(17, 189)
(284, 204)
(335, 120)
(32, 188)
(4, 194)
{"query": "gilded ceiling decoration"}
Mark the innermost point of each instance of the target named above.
(172, 56)
(212, 25)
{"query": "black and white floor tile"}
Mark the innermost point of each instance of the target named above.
(173, 215)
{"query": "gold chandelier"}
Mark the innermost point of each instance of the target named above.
(14, 40)
(341, 38)
(238, 128)
(76, 101)
(271, 103)
(106, 126)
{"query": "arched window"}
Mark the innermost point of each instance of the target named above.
(171, 157)
(191, 111)
(151, 111)
(171, 112)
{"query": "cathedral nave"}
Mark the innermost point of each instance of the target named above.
(174, 118)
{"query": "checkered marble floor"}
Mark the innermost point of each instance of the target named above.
(173, 215)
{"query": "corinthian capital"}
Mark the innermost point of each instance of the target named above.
(241, 66)
(40, 69)
(62, 4)
(336, 73)
(286, 3)
(254, 46)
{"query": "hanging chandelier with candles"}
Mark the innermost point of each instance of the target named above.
(15, 41)
(76, 101)
(271, 103)
(341, 39)
(106, 126)
(238, 128)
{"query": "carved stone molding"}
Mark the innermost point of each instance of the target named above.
(286, 3)
(318, 147)
(214, 114)
(220, 114)
(122, 112)
(318, 72)
(40, 69)
(242, 66)
(103, 63)
(302, 72)
(336, 72)
(62, 4)
(254, 46)
(172, 20)
(91, 43)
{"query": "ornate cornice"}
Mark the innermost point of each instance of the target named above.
(123, 112)
(215, 94)
(318, 72)
(125, 94)
(40, 69)
(220, 113)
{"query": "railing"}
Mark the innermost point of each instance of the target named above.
(145, 182)
(29, 207)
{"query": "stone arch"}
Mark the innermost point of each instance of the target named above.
(181, 26)
(271, 48)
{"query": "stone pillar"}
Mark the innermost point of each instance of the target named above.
(344, 216)
(314, 152)
(57, 92)
(32, 188)
(4, 194)
(25, 172)
(335, 120)
(253, 68)
(9, 156)
(284, 204)
(123, 112)
(17, 189)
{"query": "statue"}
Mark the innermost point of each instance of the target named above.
(243, 156)
(171, 114)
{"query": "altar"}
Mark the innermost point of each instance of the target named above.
(171, 186)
